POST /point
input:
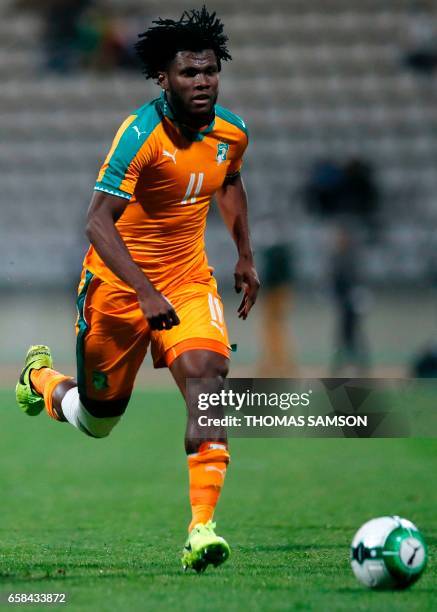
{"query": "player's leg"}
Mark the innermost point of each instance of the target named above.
(95, 418)
(111, 344)
(208, 455)
(199, 348)
(63, 402)
(59, 395)
(210, 370)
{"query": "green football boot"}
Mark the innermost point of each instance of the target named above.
(30, 402)
(203, 548)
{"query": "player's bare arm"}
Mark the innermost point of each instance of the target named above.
(232, 202)
(103, 213)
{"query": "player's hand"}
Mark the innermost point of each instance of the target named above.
(246, 279)
(158, 310)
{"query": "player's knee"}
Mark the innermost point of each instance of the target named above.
(216, 367)
(98, 418)
(213, 366)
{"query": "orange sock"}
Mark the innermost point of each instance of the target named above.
(44, 382)
(207, 469)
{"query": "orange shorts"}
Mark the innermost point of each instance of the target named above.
(113, 334)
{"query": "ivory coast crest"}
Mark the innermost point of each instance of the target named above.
(222, 152)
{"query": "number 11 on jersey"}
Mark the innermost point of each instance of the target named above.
(188, 199)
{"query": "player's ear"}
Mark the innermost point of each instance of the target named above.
(163, 80)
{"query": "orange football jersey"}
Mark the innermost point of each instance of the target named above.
(169, 175)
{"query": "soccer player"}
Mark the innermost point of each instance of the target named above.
(146, 278)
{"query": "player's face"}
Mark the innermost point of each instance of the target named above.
(191, 83)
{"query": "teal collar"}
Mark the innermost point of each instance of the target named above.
(191, 134)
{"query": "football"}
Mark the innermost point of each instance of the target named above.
(388, 553)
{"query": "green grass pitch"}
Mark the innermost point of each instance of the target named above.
(105, 520)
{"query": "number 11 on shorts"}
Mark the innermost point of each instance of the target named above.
(217, 319)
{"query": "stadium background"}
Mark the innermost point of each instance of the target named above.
(314, 81)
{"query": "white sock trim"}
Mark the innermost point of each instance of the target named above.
(76, 414)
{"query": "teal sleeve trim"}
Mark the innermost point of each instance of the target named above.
(112, 191)
(133, 138)
(230, 117)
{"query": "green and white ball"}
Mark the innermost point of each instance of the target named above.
(388, 553)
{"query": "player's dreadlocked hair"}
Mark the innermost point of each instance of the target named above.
(196, 30)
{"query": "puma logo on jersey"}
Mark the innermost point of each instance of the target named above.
(139, 134)
(170, 155)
